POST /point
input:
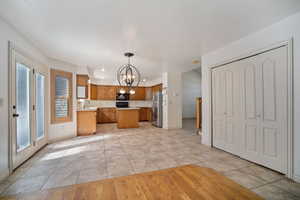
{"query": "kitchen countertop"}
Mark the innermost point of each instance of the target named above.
(90, 109)
(130, 108)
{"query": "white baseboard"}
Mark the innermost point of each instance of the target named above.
(296, 178)
(4, 174)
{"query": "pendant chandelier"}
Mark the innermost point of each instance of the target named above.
(128, 76)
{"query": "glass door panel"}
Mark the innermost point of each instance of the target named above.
(23, 106)
(40, 105)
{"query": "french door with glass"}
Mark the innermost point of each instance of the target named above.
(27, 109)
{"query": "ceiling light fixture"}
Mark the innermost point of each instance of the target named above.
(128, 75)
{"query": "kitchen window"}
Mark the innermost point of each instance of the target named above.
(61, 96)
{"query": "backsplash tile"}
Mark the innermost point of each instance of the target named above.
(99, 103)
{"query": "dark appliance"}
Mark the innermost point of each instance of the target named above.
(122, 97)
(122, 104)
(122, 100)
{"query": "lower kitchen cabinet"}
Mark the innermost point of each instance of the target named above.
(106, 115)
(145, 114)
(86, 122)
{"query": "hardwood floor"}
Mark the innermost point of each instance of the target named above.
(187, 182)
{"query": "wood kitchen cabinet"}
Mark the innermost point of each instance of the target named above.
(156, 88)
(86, 122)
(82, 80)
(82, 86)
(106, 92)
(148, 95)
(140, 94)
(145, 114)
(93, 92)
(107, 115)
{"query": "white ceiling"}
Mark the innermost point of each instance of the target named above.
(164, 34)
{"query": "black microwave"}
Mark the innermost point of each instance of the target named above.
(122, 97)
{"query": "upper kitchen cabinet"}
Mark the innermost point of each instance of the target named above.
(82, 86)
(148, 95)
(156, 88)
(140, 94)
(106, 92)
(93, 92)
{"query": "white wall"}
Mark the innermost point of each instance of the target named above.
(191, 89)
(281, 31)
(172, 100)
(64, 130)
(7, 33)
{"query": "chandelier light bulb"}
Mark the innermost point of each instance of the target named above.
(132, 91)
(122, 91)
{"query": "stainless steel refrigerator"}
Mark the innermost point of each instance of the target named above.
(157, 110)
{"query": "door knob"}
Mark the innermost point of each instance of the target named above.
(15, 115)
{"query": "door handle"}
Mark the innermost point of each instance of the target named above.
(15, 115)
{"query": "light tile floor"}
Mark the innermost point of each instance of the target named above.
(114, 152)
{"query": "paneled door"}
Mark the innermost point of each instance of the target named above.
(249, 100)
(27, 109)
(226, 93)
(265, 109)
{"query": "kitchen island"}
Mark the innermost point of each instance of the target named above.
(86, 121)
(128, 117)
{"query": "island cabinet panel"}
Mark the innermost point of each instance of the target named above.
(128, 118)
(107, 115)
(140, 94)
(86, 123)
(106, 92)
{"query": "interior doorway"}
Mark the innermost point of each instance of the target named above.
(191, 92)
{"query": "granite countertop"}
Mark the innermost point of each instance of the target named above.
(130, 108)
(89, 109)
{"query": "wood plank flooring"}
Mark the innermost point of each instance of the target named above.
(187, 182)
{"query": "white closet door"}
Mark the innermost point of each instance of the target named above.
(273, 115)
(250, 108)
(226, 98)
(219, 109)
(251, 96)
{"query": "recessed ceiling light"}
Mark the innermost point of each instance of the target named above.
(196, 61)
(102, 69)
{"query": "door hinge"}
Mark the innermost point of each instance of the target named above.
(33, 107)
(33, 70)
